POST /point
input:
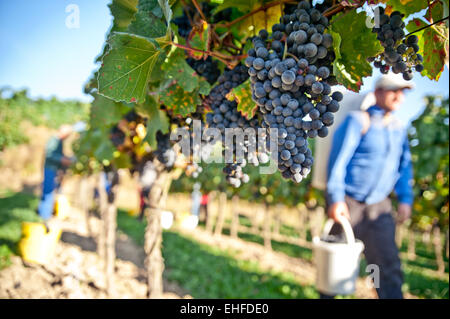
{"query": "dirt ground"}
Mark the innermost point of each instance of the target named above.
(76, 270)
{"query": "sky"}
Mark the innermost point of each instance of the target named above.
(38, 51)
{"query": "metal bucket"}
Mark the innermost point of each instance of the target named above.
(337, 264)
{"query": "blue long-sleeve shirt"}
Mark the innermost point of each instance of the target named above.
(54, 153)
(368, 167)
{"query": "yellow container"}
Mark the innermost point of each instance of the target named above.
(62, 206)
(133, 212)
(36, 244)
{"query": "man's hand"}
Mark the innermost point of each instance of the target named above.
(66, 161)
(337, 210)
(403, 213)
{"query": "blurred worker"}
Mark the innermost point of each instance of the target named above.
(204, 206)
(55, 161)
(195, 200)
(147, 177)
(369, 159)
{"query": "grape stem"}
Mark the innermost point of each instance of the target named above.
(338, 7)
(227, 59)
(199, 10)
(292, 56)
(427, 26)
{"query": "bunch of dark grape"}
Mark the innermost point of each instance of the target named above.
(121, 134)
(165, 152)
(116, 136)
(291, 82)
(399, 54)
(225, 115)
(209, 68)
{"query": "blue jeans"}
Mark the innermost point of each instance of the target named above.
(49, 185)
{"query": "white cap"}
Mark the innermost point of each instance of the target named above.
(393, 82)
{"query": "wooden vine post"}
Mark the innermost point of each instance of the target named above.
(85, 200)
(302, 230)
(399, 234)
(103, 205)
(221, 213)
(209, 218)
(154, 261)
(411, 244)
(234, 217)
(267, 227)
(255, 221)
(106, 245)
(438, 249)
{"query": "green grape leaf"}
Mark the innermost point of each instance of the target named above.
(123, 12)
(176, 68)
(264, 19)
(179, 101)
(199, 39)
(127, 66)
(406, 6)
(260, 20)
(151, 6)
(243, 6)
(433, 44)
(147, 25)
(204, 87)
(437, 11)
(242, 94)
(157, 121)
(106, 112)
(165, 6)
(349, 31)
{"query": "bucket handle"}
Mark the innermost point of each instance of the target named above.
(349, 235)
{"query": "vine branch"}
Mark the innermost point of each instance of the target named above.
(202, 15)
(227, 59)
(427, 26)
(338, 7)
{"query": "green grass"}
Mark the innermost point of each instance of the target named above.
(15, 208)
(208, 272)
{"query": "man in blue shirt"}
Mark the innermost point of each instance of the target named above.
(54, 161)
(369, 159)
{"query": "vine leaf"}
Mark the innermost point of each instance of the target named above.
(179, 101)
(242, 94)
(148, 25)
(260, 20)
(157, 121)
(353, 43)
(433, 44)
(105, 112)
(127, 67)
(123, 12)
(165, 6)
(243, 6)
(176, 68)
(406, 6)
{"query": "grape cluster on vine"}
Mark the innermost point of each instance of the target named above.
(291, 82)
(225, 115)
(400, 55)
